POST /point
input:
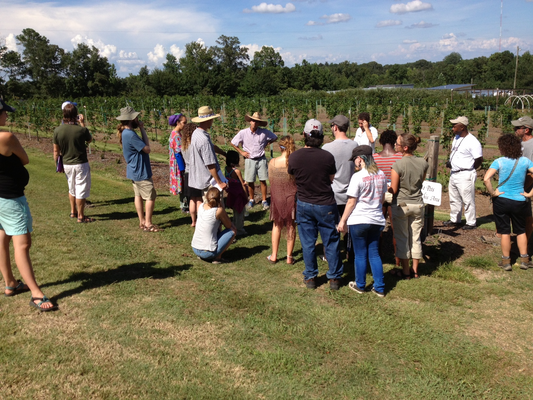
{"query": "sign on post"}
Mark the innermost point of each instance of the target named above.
(432, 193)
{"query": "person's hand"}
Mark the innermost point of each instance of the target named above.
(223, 186)
(245, 154)
(497, 192)
(141, 124)
(81, 117)
(342, 228)
(526, 195)
(365, 124)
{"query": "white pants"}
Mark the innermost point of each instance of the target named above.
(79, 180)
(462, 192)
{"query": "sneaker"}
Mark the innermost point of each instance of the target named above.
(451, 223)
(469, 227)
(250, 204)
(246, 213)
(352, 285)
(505, 264)
(265, 205)
(310, 283)
(525, 263)
(379, 294)
(334, 284)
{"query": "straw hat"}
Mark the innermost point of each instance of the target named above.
(205, 113)
(127, 114)
(258, 118)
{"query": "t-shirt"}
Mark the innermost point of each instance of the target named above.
(412, 171)
(138, 162)
(361, 137)
(369, 190)
(515, 185)
(254, 142)
(72, 140)
(464, 152)
(527, 149)
(385, 163)
(311, 168)
(342, 151)
(201, 153)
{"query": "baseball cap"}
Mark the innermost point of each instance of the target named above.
(363, 150)
(341, 121)
(460, 120)
(313, 125)
(523, 121)
(5, 107)
(68, 102)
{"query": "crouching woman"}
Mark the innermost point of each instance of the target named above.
(208, 243)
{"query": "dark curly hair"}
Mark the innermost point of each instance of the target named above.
(364, 116)
(389, 136)
(510, 146)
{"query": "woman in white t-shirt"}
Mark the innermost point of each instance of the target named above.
(208, 243)
(364, 217)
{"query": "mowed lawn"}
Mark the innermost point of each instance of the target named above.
(141, 317)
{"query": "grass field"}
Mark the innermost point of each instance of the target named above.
(141, 317)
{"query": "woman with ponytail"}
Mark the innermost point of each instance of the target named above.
(208, 243)
(363, 216)
(282, 200)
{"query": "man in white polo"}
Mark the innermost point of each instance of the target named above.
(366, 133)
(254, 140)
(465, 157)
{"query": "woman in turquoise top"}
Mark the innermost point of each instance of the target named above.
(509, 202)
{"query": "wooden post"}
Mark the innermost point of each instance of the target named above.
(433, 161)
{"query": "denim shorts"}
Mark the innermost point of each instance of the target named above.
(15, 216)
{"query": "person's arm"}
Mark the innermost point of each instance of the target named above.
(18, 150)
(218, 150)
(242, 152)
(395, 182)
(477, 162)
(366, 128)
(145, 139)
(332, 178)
(350, 205)
(222, 216)
(57, 153)
(488, 183)
(214, 173)
(528, 178)
(272, 138)
(244, 184)
(81, 120)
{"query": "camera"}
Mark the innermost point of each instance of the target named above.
(448, 164)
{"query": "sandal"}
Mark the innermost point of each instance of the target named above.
(290, 260)
(270, 260)
(415, 275)
(398, 273)
(38, 305)
(141, 227)
(20, 288)
(85, 220)
(73, 215)
(152, 228)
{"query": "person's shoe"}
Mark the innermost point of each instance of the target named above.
(310, 283)
(469, 227)
(265, 205)
(379, 294)
(525, 263)
(451, 223)
(250, 204)
(352, 285)
(505, 264)
(334, 284)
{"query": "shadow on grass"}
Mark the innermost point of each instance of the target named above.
(123, 273)
(117, 215)
(487, 219)
(242, 253)
(125, 200)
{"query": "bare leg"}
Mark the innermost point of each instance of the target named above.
(291, 237)
(139, 208)
(194, 205)
(521, 241)
(405, 266)
(150, 204)
(529, 228)
(415, 266)
(5, 260)
(251, 188)
(72, 200)
(264, 190)
(506, 245)
(276, 235)
(80, 204)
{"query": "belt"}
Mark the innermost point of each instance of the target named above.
(461, 170)
(258, 158)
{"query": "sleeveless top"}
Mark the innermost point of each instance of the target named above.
(282, 196)
(13, 177)
(206, 232)
(237, 198)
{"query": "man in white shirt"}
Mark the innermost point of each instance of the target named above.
(465, 157)
(366, 133)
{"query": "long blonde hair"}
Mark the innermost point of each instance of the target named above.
(121, 126)
(370, 164)
(286, 145)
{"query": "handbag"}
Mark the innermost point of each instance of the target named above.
(59, 165)
(180, 161)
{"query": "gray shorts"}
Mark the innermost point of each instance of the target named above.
(254, 168)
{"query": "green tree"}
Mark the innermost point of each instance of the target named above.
(231, 60)
(196, 68)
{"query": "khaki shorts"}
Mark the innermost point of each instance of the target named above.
(144, 189)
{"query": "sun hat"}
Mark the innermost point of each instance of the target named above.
(174, 119)
(341, 121)
(460, 120)
(523, 121)
(257, 117)
(313, 125)
(205, 113)
(363, 150)
(5, 107)
(127, 114)
(68, 102)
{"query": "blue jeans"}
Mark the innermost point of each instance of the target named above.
(365, 239)
(224, 238)
(311, 219)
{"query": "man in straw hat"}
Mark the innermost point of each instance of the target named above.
(465, 157)
(136, 153)
(203, 163)
(254, 140)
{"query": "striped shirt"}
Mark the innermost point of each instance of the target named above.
(385, 163)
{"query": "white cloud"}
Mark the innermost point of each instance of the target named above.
(314, 23)
(158, 54)
(448, 36)
(265, 8)
(11, 42)
(201, 41)
(318, 37)
(389, 22)
(410, 41)
(176, 51)
(252, 48)
(421, 24)
(336, 18)
(412, 6)
(127, 55)
(105, 50)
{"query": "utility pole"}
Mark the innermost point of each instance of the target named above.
(516, 68)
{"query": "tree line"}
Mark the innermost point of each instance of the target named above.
(44, 70)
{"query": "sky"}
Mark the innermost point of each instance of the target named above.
(136, 33)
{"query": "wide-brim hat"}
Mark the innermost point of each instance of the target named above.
(205, 113)
(5, 107)
(257, 118)
(127, 114)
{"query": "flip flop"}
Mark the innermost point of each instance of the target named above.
(43, 299)
(290, 260)
(269, 259)
(73, 215)
(152, 228)
(20, 288)
(85, 220)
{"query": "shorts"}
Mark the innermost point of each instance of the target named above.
(189, 191)
(79, 180)
(508, 211)
(15, 216)
(254, 168)
(144, 189)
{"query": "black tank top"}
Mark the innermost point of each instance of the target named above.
(13, 177)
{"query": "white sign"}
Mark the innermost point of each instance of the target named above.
(432, 193)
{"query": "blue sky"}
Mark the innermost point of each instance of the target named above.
(136, 33)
